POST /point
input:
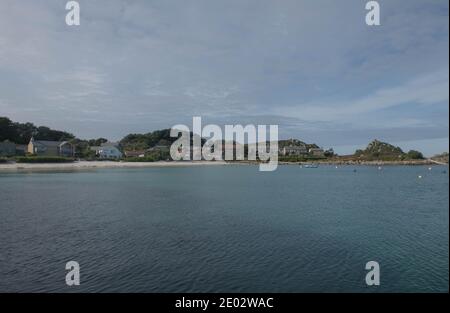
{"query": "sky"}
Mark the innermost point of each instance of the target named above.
(313, 67)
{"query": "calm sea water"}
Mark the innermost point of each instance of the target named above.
(225, 229)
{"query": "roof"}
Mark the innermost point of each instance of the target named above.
(98, 148)
(49, 143)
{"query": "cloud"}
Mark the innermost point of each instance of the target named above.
(313, 67)
(432, 88)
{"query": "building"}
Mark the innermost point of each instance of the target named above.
(7, 148)
(317, 152)
(50, 148)
(21, 149)
(108, 150)
(294, 150)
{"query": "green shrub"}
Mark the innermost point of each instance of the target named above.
(43, 159)
(414, 155)
(3, 160)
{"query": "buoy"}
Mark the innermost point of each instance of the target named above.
(379, 168)
(430, 168)
(420, 176)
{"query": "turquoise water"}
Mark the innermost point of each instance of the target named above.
(226, 229)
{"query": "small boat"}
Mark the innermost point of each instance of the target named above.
(310, 165)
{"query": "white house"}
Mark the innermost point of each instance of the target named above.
(108, 150)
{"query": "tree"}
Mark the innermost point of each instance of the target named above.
(329, 153)
(414, 155)
(7, 130)
(97, 142)
(21, 133)
(45, 133)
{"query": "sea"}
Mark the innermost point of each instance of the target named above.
(227, 228)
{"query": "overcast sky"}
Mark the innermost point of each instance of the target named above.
(312, 67)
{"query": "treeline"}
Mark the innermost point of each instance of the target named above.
(21, 133)
(156, 144)
(148, 140)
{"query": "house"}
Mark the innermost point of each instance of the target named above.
(7, 148)
(317, 152)
(50, 148)
(21, 149)
(294, 150)
(108, 150)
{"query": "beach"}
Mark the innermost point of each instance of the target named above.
(81, 165)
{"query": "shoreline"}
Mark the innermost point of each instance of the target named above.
(379, 163)
(86, 165)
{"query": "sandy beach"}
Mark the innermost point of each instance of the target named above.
(81, 165)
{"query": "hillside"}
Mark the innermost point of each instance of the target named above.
(296, 142)
(157, 138)
(442, 158)
(148, 140)
(378, 150)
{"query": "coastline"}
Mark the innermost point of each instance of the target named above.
(83, 165)
(380, 162)
(355, 163)
(86, 165)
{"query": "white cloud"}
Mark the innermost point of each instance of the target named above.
(432, 88)
(142, 65)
